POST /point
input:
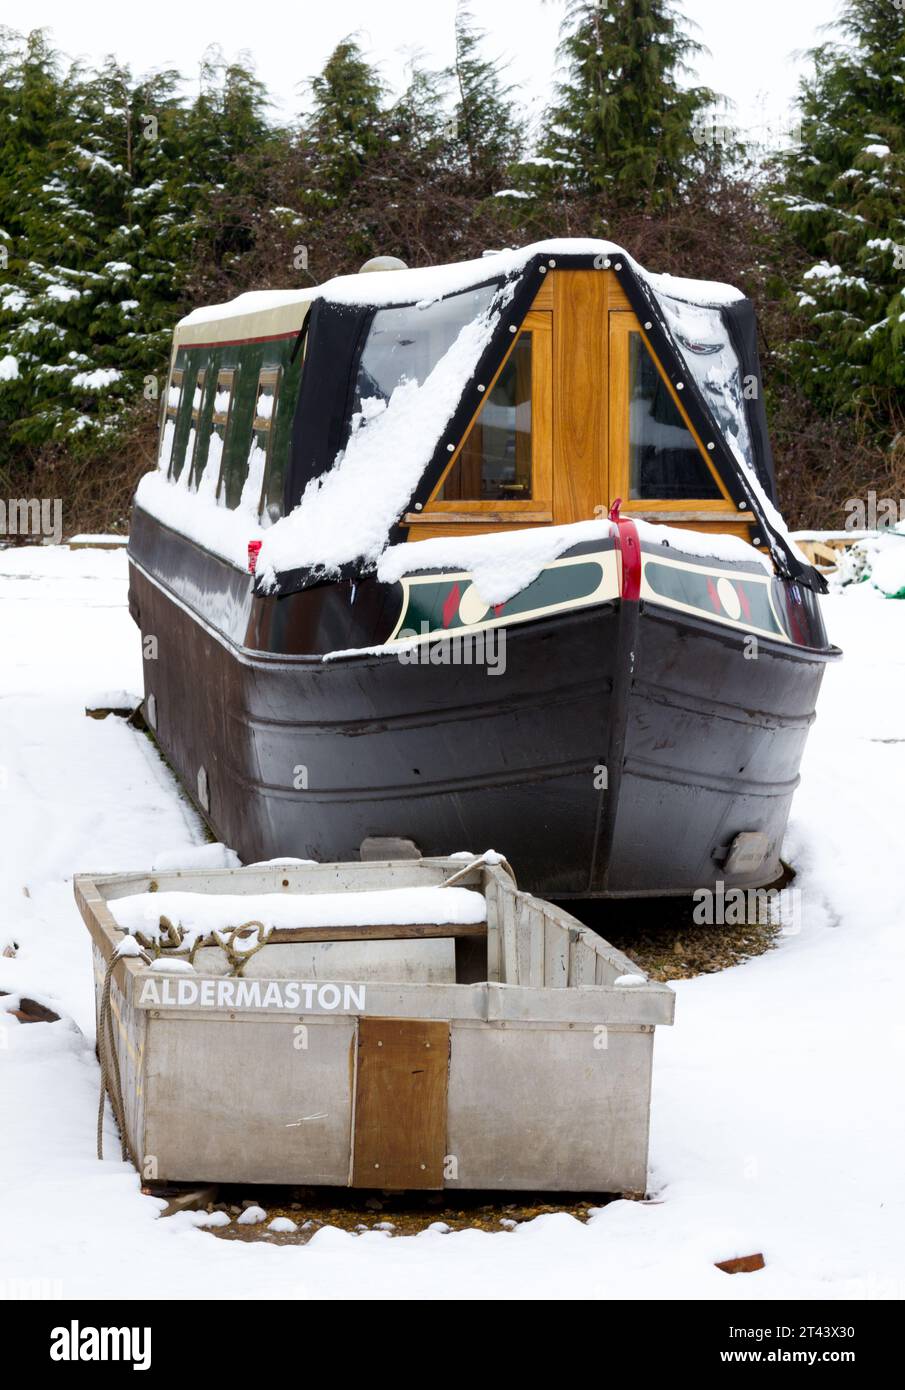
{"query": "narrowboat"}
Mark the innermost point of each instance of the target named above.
(480, 554)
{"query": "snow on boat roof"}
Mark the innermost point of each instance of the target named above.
(347, 510)
(273, 311)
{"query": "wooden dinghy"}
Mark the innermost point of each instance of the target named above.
(501, 1045)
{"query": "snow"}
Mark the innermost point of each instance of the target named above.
(99, 538)
(201, 914)
(703, 342)
(63, 294)
(775, 1124)
(433, 282)
(888, 574)
(225, 531)
(349, 511)
(9, 368)
(252, 302)
(281, 1225)
(128, 947)
(97, 380)
(502, 565)
(876, 561)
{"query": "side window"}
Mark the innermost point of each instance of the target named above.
(494, 463)
(172, 402)
(261, 479)
(406, 343)
(191, 448)
(208, 484)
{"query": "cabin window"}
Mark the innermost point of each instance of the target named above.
(494, 464)
(260, 456)
(405, 344)
(172, 402)
(208, 483)
(664, 460)
(503, 469)
(191, 447)
(703, 341)
(654, 454)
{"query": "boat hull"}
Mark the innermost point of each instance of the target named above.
(618, 749)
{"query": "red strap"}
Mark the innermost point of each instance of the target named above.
(630, 552)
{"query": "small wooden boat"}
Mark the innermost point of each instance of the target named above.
(396, 1025)
(481, 554)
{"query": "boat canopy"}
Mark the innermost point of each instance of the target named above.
(397, 363)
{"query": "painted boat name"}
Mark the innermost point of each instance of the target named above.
(293, 995)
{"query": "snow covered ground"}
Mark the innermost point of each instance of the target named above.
(778, 1121)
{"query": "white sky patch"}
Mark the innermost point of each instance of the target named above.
(754, 59)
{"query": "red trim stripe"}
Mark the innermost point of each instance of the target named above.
(240, 342)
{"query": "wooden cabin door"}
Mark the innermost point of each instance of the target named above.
(657, 463)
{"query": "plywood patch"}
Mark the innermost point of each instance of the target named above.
(400, 1103)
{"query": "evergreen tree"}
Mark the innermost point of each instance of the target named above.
(622, 124)
(842, 194)
(484, 123)
(346, 126)
(118, 205)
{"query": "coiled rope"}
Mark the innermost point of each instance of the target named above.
(109, 1060)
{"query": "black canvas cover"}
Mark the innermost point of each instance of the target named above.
(741, 321)
(321, 422)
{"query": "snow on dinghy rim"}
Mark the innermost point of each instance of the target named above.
(373, 495)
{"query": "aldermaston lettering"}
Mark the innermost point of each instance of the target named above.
(297, 996)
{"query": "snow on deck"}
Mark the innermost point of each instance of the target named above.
(504, 563)
(776, 1126)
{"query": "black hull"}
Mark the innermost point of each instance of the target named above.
(308, 758)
